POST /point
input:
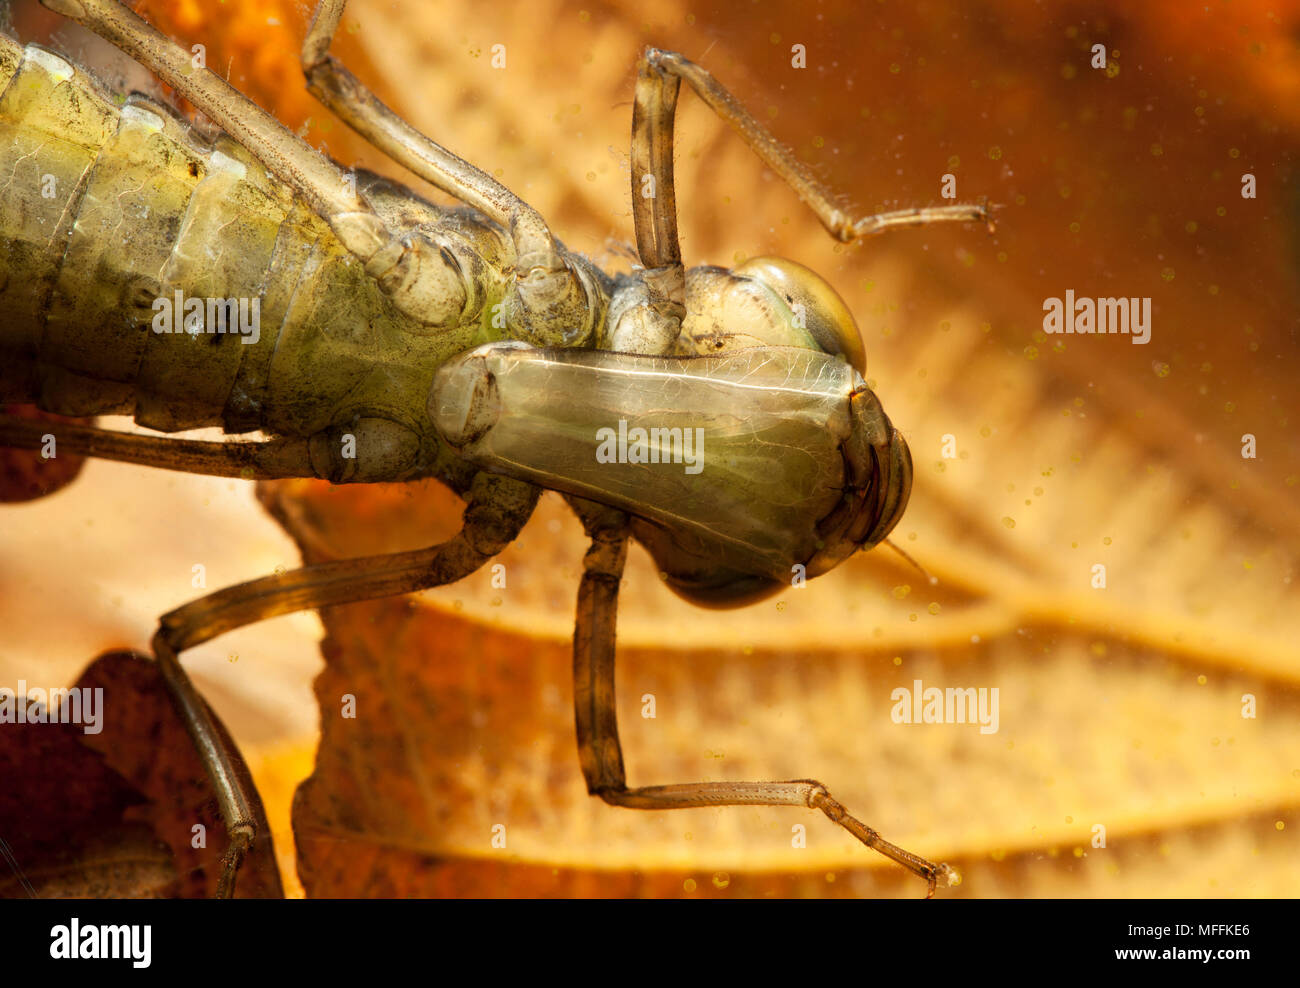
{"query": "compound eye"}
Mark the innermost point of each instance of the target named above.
(694, 574)
(826, 318)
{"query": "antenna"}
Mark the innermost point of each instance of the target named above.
(930, 578)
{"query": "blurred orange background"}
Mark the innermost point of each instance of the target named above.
(1120, 707)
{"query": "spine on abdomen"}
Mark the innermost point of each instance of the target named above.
(107, 212)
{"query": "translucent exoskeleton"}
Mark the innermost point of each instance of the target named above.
(731, 467)
(718, 416)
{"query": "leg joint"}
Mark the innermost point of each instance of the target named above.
(562, 306)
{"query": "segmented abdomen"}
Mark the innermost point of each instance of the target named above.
(105, 210)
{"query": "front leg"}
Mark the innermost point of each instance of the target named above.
(652, 324)
(669, 65)
(599, 750)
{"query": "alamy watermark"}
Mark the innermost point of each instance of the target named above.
(131, 942)
(79, 705)
(638, 445)
(237, 316)
(1085, 316)
(932, 705)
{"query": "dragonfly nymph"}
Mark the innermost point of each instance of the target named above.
(720, 417)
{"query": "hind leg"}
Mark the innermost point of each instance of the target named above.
(554, 302)
(496, 511)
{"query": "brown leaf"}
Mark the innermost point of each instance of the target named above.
(111, 814)
(62, 820)
(1105, 184)
(24, 473)
(1126, 707)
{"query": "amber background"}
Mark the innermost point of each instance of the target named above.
(1119, 707)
